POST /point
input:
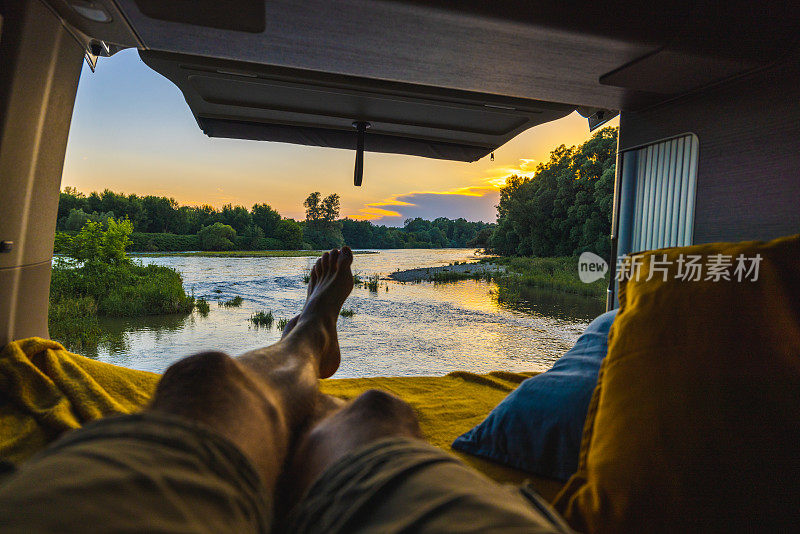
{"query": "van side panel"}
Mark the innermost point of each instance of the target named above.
(748, 181)
(40, 63)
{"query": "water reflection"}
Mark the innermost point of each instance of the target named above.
(551, 303)
(411, 329)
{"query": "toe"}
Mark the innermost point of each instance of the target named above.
(312, 278)
(346, 257)
(325, 262)
(334, 258)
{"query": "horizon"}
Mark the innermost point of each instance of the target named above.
(156, 148)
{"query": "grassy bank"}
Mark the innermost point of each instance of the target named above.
(247, 253)
(95, 278)
(559, 274)
(518, 273)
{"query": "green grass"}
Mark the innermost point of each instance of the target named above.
(454, 276)
(127, 290)
(73, 322)
(263, 318)
(281, 324)
(81, 295)
(249, 253)
(557, 274)
(347, 312)
(235, 302)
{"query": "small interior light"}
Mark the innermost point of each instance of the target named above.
(90, 10)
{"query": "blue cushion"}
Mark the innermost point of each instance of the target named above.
(538, 427)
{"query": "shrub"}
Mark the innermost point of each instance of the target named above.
(127, 290)
(218, 236)
(96, 245)
(103, 273)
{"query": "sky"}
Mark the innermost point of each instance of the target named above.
(132, 132)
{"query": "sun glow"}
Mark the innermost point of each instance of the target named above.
(493, 180)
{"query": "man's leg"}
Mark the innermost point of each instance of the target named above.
(206, 454)
(365, 468)
(260, 400)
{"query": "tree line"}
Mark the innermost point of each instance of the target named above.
(565, 208)
(161, 224)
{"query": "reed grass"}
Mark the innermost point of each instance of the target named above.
(263, 318)
(202, 306)
(235, 302)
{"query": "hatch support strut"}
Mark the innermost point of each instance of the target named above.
(361, 127)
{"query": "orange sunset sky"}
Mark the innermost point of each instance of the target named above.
(132, 132)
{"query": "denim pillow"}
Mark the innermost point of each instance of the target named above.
(538, 427)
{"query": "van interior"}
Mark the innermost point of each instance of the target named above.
(708, 96)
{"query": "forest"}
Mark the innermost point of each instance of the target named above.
(161, 224)
(562, 210)
(565, 208)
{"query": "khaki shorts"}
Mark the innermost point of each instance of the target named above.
(136, 473)
(154, 473)
(404, 485)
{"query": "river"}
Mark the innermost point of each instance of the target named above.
(403, 329)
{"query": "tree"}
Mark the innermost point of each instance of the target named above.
(330, 208)
(322, 230)
(159, 213)
(236, 217)
(565, 208)
(218, 236)
(313, 208)
(70, 199)
(252, 236)
(94, 245)
(78, 218)
(266, 218)
(290, 233)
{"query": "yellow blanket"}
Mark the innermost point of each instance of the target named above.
(46, 390)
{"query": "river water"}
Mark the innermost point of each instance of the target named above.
(403, 329)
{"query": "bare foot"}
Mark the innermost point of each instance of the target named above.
(331, 281)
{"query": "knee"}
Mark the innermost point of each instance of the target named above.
(383, 407)
(202, 376)
(200, 369)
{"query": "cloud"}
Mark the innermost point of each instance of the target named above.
(497, 176)
(475, 203)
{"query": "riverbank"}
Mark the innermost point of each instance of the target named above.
(242, 253)
(458, 271)
(513, 275)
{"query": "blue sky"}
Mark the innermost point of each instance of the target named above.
(133, 132)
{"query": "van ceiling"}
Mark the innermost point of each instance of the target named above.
(250, 101)
(434, 71)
